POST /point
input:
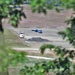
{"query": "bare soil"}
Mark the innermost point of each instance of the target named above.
(38, 53)
(52, 19)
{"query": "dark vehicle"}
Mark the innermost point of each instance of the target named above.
(36, 30)
(39, 31)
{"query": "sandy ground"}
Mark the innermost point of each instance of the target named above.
(51, 20)
(48, 36)
(49, 23)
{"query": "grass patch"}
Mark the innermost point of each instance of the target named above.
(12, 39)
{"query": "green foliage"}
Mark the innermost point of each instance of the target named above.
(15, 16)
(13, 12)
(41, 6)
(17, 2)
(43, 48)
(62, 64)
(10, 57)
(69, 32)
(38, 5)
(3, 10)
(37, 69)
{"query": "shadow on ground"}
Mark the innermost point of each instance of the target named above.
(37, 39)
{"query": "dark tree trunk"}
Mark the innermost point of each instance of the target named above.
(1, 27)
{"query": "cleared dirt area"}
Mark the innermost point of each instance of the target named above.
(51, 20)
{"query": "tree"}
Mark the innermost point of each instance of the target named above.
(64, 63)
(14, 14)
